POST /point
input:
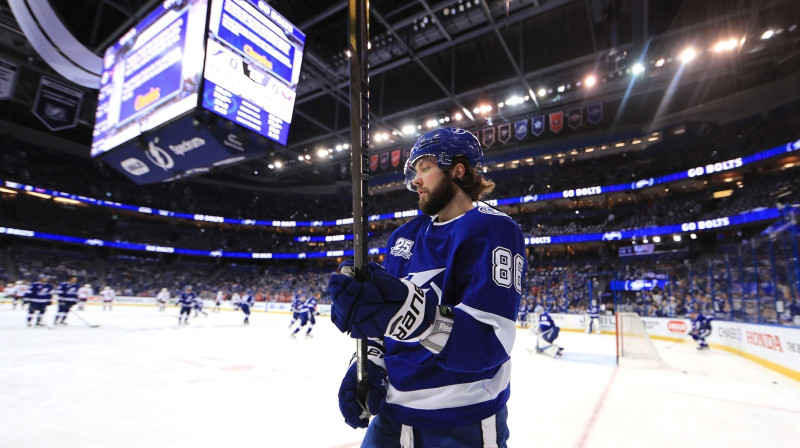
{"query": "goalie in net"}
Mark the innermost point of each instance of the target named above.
(634, 346)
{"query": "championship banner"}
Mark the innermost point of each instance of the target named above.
(373, 163)
(488, 136)
(384, 160)
(537, 125)
(57, 105)
(575, 118)
(8, 78)
(406, 153)
(395, 158)
(594, 113)
(556, 121)
(504, 133)
(521, 129)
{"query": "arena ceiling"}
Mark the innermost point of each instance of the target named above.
(432, 59)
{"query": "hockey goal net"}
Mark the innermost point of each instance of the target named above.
(634, 346)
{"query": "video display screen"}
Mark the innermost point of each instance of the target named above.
(253, 58)
(151, 75)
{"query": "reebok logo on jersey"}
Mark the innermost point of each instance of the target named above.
(402, 248)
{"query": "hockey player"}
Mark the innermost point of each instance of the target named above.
(297, 306)
(162, 298)
(19, 291)
(548, 332)
(593, 318)
(236, 299)
(218, 301)
(198, 307)
(247, 302)
(84, 292)
(186, 301)
(522, 314)
(67, 297)
(108, 296)
(701, 328)
(306, 317)
(39, 295)
(443, 307)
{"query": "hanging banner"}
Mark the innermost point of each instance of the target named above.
(395, 158)
(8, 78)
(384, 160)
(521, 129)
(556, 121)
(373, 163)
(406, 153)
(575, 118)
(594, 113)
(57, 105)
(537, 125)
(488, 136)
(504, 133)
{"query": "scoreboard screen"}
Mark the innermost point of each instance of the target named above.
(151, 75)
(252, 66)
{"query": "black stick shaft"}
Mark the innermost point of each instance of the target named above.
(359, 137)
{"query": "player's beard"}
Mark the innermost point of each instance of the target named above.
(438, 196)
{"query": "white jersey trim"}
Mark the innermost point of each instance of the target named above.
(504, 329)
(455, 395)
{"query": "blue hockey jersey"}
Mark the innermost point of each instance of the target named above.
(186, 299)
(545, 322)
(310, 305)
(593, 311)
(474, 263)
(248, 299)
(40, 293)
(68, 292)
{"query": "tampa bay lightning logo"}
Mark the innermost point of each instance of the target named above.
(429, 280)
(490, 211)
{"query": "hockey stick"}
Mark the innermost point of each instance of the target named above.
(359, 160)
(84, 320)
(677, 342)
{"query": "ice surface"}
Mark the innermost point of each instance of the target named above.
(140, 380)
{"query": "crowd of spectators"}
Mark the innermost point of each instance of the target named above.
(555, 280)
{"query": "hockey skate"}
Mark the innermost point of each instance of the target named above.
(309, 336)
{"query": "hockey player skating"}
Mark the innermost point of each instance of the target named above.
(186, 302)
(84, 292)
(108, 296)
(198, 307)
(236, 299)
(67, 298)
(593, 318)
(547, 334)
(39, 295)
(701, 328)
(218, 301)
(247, 302)
(162, 298)
(442, 308)
(18, 292)
(306, 317)
(296, 306)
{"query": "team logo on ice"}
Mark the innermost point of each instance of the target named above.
(402, 248)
